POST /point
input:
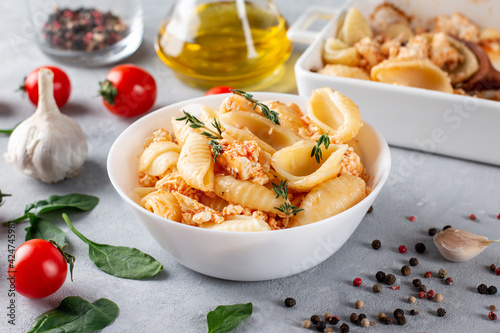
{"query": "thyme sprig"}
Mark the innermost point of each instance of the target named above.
(216, 148)
(316, 151)
(268, 113)
(286, 208)
(196, 123)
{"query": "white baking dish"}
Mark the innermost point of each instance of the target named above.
(431, 121)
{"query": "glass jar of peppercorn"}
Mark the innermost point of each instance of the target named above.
(87, 32)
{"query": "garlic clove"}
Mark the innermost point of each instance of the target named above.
(459, 245)
(49, 145)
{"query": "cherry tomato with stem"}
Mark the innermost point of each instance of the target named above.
(39, 268)
(62, 85)
(218, 90)
(128, 90)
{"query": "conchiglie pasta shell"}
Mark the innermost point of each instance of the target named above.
(215, 202)
(289, 117)
(274, 135)
(244, 134)
(158, 157)
(196, 165)
(302, 171)
(336, 51)
(247, 194)
(239, 223)
(355, 27)
(467, 68)
(399, 30)
(164, 204)
(236, 102)
(421, 73)
(330, 198)
(344, 71)
(331, 111)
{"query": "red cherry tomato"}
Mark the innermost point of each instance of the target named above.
(128, 91)
(218, 90)
(62, 85)
(38, 269)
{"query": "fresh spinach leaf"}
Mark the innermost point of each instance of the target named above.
(43, 229)
(76, 315)
(77, 201)
(120, 261)
(226, 317)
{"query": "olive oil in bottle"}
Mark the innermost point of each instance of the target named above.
(236, 43)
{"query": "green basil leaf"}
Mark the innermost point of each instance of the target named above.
(43, 229)
(76, 315)
(226, 317)
(79, 201)
(120, 261)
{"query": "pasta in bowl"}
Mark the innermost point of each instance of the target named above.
(223, 216)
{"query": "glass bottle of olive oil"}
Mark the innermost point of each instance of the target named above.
(235, 43)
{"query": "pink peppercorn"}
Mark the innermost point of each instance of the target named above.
(357, 282)
(498, 216)
(402, 249)
(421, 294)
(472, 217)
(497, 271)
(412, 218)
(430, 294)
(428, 274)
(492, 315)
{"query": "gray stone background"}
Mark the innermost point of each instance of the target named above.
(437, 190)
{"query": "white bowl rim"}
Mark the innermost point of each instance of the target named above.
(114, 148)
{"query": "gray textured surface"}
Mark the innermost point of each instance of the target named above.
(437, 190)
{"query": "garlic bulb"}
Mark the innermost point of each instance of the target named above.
(49, 145)
(459, 245)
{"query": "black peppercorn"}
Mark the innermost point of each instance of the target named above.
(334, 320)
(389, 279)
(380, 276)
(361, 316)
(354, 318)
(432, 231)
(492, 290)
(344, 328)
(369, 210)
(320, 326)
(441, 312)
(413, 261)
(420, 247)
(422, 287)
(289, 302)
(413, 312)
(416, 283)
(493, 267)
(398, 313)
(401, 320)
(446, 227)
(376, 244)
(314, 319)
(482, 289)
(405, 270)
(388, 320)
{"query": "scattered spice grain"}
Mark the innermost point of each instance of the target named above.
(289, 302)
(493, 267)
(482, 289)
(377, 288)
(430, 294)
(401, 320)
(381, 316)
(413, 312)
(497, 271)
(421, 294)
(412, 218)
(493, 308)
(398, 313)
(417, 283)
(314, 319)
(388, 320)
(438, 298)
(334, 320)
(492, 290)
(449, 281)
(405, 270)
(390, 279)
(428, 274)
(327, 315)
(422, 287)
(380, 276)
(492, 315)
(357, 282)
(354, 318)
(472, 217)
(376, 244)
(344, 328)
(369, 210)
(441, 312)
(328, 330)
(320, 326)
(413, 261)
(432, 231)
(359, 304)
(365, 322)
(402, 249)
(442, 273)
(420, 247)
(306, 323)
(361, 317)
(412, 299)
(372, 323)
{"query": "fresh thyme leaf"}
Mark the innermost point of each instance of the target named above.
(286, 208)
(268, 113)
(216, 148)
(316, 151)
(196, 123)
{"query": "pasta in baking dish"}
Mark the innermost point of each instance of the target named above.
(255, 166)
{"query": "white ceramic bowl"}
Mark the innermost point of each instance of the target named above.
(431, 121)
(250, 256)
